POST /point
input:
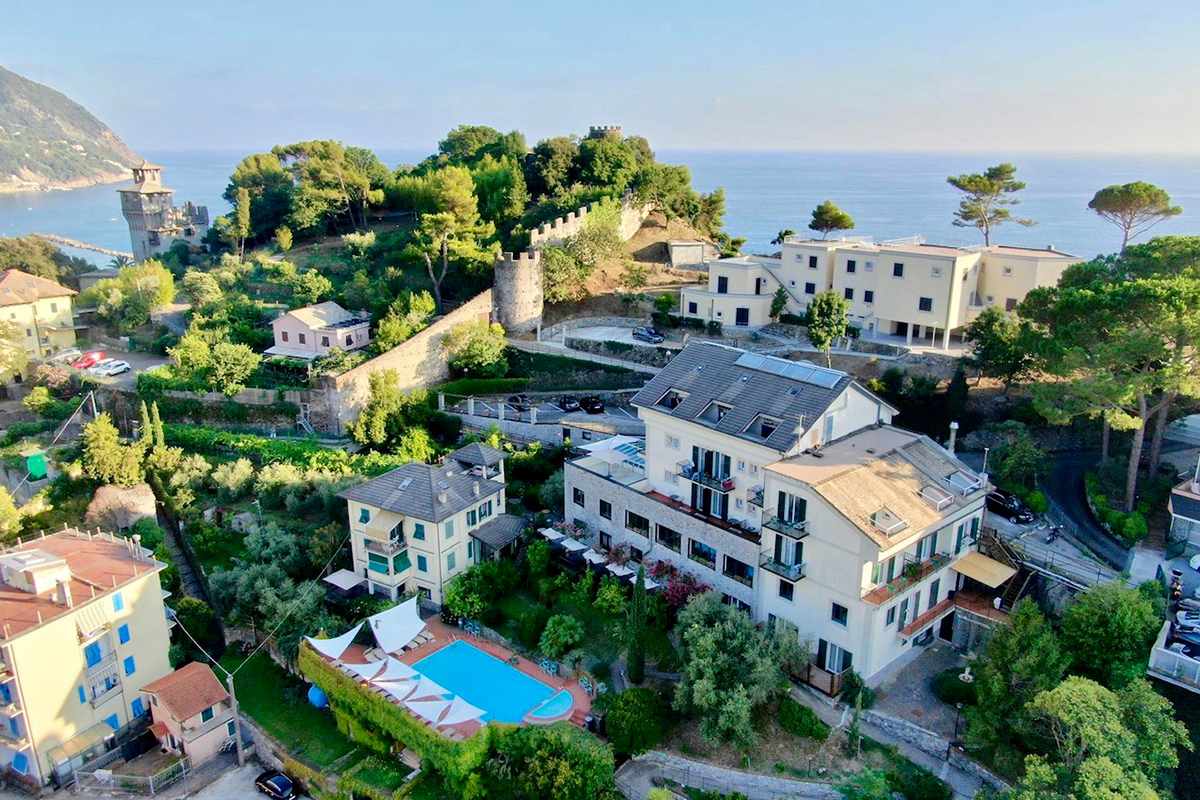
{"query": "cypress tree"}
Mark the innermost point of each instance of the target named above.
(147, 431)
(636, 647)
(160, 439)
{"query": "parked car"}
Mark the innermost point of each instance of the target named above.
(1190, 619)
(521, 402)
(275, 784)
(101, 363)
(88, 360)
(649, 334)
(592, 404)
(568, 403)
(110, 369)
(69, 354)
(1009, 506)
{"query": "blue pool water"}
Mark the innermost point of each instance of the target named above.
(486, 682)
(554, 707)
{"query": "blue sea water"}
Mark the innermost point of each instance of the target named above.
(890, 195)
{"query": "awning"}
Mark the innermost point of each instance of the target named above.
(81, 743)
(365, 671)
(461, 711)
(573, 545)
(551, 534)
(290, 352)
(592, 557)
(429, 709)
(620, 570)
(333, 648)
(395, 628)
(344, 579)
(987, 571)
(396, 670)
(501, 531)
(381, 525)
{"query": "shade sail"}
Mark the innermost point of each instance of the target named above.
(428, 709)
(397, 626)
(365, 671)
(333, 648)
(344, 579)
(396, 670)
(461, 711)
(427, 687)
(398, 689)
(573, 545)
(987, 571)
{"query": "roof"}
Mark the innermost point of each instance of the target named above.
(1027, 252)
(146, 188)
(416, 490)
(100, 564)
(188, 690)
(120, 507)
(18, 288)
(323, 315)
(477, 454)
(500, 531)
(885, 470)
(926, 249)
(1185, 501)
(710, 372)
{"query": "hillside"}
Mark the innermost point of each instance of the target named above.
(48, 141)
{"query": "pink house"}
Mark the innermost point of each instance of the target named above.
(192, 713)
(313, 331)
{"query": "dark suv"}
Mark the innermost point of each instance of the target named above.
(648, 334)
(1009, 506)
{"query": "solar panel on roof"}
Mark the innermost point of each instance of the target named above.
(803, 371)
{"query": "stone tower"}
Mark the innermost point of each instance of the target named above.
(154, 221)
(517, 291)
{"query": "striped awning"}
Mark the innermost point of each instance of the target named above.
(987, 571)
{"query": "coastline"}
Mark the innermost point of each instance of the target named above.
(24, 187)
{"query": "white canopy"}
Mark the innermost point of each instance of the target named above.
(397, 626)
(610, 443)
(461, 711)
(592, 557)
(344, 579)
(573, 545)
(365, 671)
(551, 534)
(396, 670)
(427, 687)
(333, 648)
(398, 689)
(651, 584)
(619, 570)
(429, 709)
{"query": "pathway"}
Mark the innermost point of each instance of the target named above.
(637, 777)
(558, 349)
(192, 586)
(1064, 486)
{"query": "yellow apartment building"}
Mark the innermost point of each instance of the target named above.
(41, 310)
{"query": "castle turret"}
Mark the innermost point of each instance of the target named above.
(517, 300)
(154, 221)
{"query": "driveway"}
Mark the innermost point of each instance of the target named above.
(237, 784)
(139, 362)
(607, 333)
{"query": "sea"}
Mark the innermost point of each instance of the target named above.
(889, 195)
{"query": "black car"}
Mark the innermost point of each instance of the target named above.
(568, 403)
(592, 404)
(275, 784)
(521, 402)
(1009, 506)
(649, 334)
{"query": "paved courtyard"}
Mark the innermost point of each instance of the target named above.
(908, 694)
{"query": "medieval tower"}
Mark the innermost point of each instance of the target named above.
(154, 221)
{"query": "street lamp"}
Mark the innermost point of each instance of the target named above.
(958, 707)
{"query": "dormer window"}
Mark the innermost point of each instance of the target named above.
(763, 426)
(715, 412)
(887, 521)
(936, 496)
(672, 398)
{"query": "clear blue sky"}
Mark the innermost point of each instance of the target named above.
(1015, 75)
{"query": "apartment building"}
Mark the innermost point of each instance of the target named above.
(901, 288)
(83, 630)
(42, 312)
(416, 527)
(783, 486)
(313, 331)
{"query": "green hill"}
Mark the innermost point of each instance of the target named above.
(48, 141)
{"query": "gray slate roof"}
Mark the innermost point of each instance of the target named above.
(1184, 506)
(477, 454)
(719, 378)
(419, 498)
(502, 530)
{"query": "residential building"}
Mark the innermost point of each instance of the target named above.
(784, 486)
(83, 630)
(42, 312)
(1184, 505)
(313, 331)
(903, 288)
(155, 222)
(192, 712)
(416, 527)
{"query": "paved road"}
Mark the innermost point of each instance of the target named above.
(1063, 484)
(614, 333)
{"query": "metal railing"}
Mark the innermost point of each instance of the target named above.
(797, 529)
(792, 572)
(107, 779)
(684, 469)
(755, 496)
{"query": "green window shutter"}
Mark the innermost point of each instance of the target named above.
(377, 563)
(400, 562)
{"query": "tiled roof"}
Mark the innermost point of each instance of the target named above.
(414, 490)
(1185, 502)
(188, 690)
(18, 288)
(477, 454)
(707, 372)
(498, 532)
(321, 315)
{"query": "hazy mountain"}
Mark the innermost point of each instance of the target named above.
(48, 141)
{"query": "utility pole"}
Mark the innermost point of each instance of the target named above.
(237, 723)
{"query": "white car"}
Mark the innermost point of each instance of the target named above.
(110, 369)
(70, 354)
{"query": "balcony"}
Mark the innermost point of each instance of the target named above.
(16, 740)
(791, 572)
(913, 574)
(797, 529)
(386, 548)
(104, 663)
(685, 469)
(754, 496)
(102, 694)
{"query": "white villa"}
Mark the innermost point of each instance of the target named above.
(784, 486)
(313, 331)
(902, 288)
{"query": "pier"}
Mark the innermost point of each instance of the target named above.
(85, 246)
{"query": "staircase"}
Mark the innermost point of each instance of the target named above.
(579, 717)
(303, 422)
(1017, 588)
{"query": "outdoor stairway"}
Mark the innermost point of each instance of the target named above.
(1016, 589)
(579, 717)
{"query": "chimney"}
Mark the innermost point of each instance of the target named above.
(64, 598)
(1050, 247)
(953, 437)
(475, 489)
(442, 497)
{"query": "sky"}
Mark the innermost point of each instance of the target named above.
(1079, 76)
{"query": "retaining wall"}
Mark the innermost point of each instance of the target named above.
(934, 745)
(557, 329)
(756, 787)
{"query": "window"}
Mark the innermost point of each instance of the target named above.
(377, 563)
(958, 538)
(673, 441)
(1010, 304)
(325, 341)
(637, 523)
(1007, 271)
(118, 602)
(82, 695)
(450, 559)
(350, 339)
(722, 285)
(851, 266)
(206, 714)
(422, 564)
(229, 728)
(123, 634)
(54, 306)
(933, 592)
(891, 616)
(419, 531)
(449, 529)
(301, 338)
(699, 551)
(691, 308)
(577, 496)
(605, 541)
(787, 590)
(485, 510)
(833, 658)
(849, 293)
(840, 614)
(636, 554)
(869, 266)
(670, 477)
(812, 262)
(869, 296)
(606, 509)
(739, 571)
(925, 304)
(92, 655)
(29, 331)
(799, 256)
(364, 516)
(741, 465)
(935, 272)
(810, 288)
(668, 537)
(130, 667)
(473, 520)
(897, 270)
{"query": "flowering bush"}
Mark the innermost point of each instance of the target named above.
(570, 529)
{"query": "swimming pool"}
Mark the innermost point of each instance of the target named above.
(486, 682)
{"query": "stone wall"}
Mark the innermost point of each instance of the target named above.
(934, 745)
(550, 431)
(557, 329)
(708, 777)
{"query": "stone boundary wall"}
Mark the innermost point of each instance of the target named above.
(934, 745)
(558, 328)
(549, 432)
(555, 231)
(645, 354)
(249, 397)
(756, 787)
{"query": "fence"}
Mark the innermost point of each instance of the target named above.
(1075, 571)
(108, 780)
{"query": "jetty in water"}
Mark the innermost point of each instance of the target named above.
(85, 246)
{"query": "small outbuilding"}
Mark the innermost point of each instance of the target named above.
(192, 712)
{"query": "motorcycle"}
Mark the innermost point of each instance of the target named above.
(1055, 530)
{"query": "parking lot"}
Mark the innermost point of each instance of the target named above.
(138, 362)
(610, 333)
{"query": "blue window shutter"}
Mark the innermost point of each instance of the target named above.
(123, 634)
(130, 668)
(91, 654)
(113, 722)
(118, 602)
(137, 707)
(5, 693)
(82, 695)
(20, 763)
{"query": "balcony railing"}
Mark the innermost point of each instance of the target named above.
(10, 709)
(913, 574)
(686, 470)
(755, 496)
(791, 572)
(797, 529)
(19, 740)
(388, 548)
(105, 694)
(103, 664)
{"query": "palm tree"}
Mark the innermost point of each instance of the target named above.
(118, 262)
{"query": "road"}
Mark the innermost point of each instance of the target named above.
(1063, 484)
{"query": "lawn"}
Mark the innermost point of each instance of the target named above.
(386, 776)
(559, 373)
(276, 701)
(430, 788)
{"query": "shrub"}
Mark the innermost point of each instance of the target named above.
(1038, 502)
(561, 634)
(610, 597)
(801, 720)
(792, 319)
(152, 535)
(949, 689)
(917, 783)
(713, 328)
(532, 625)
(633, 723)
(851, 686)
(233, 479)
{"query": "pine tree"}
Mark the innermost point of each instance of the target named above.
(635, 659)
(957, 394)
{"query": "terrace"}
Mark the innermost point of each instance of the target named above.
(913, 574)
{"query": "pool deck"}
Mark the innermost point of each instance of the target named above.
(446, 635)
